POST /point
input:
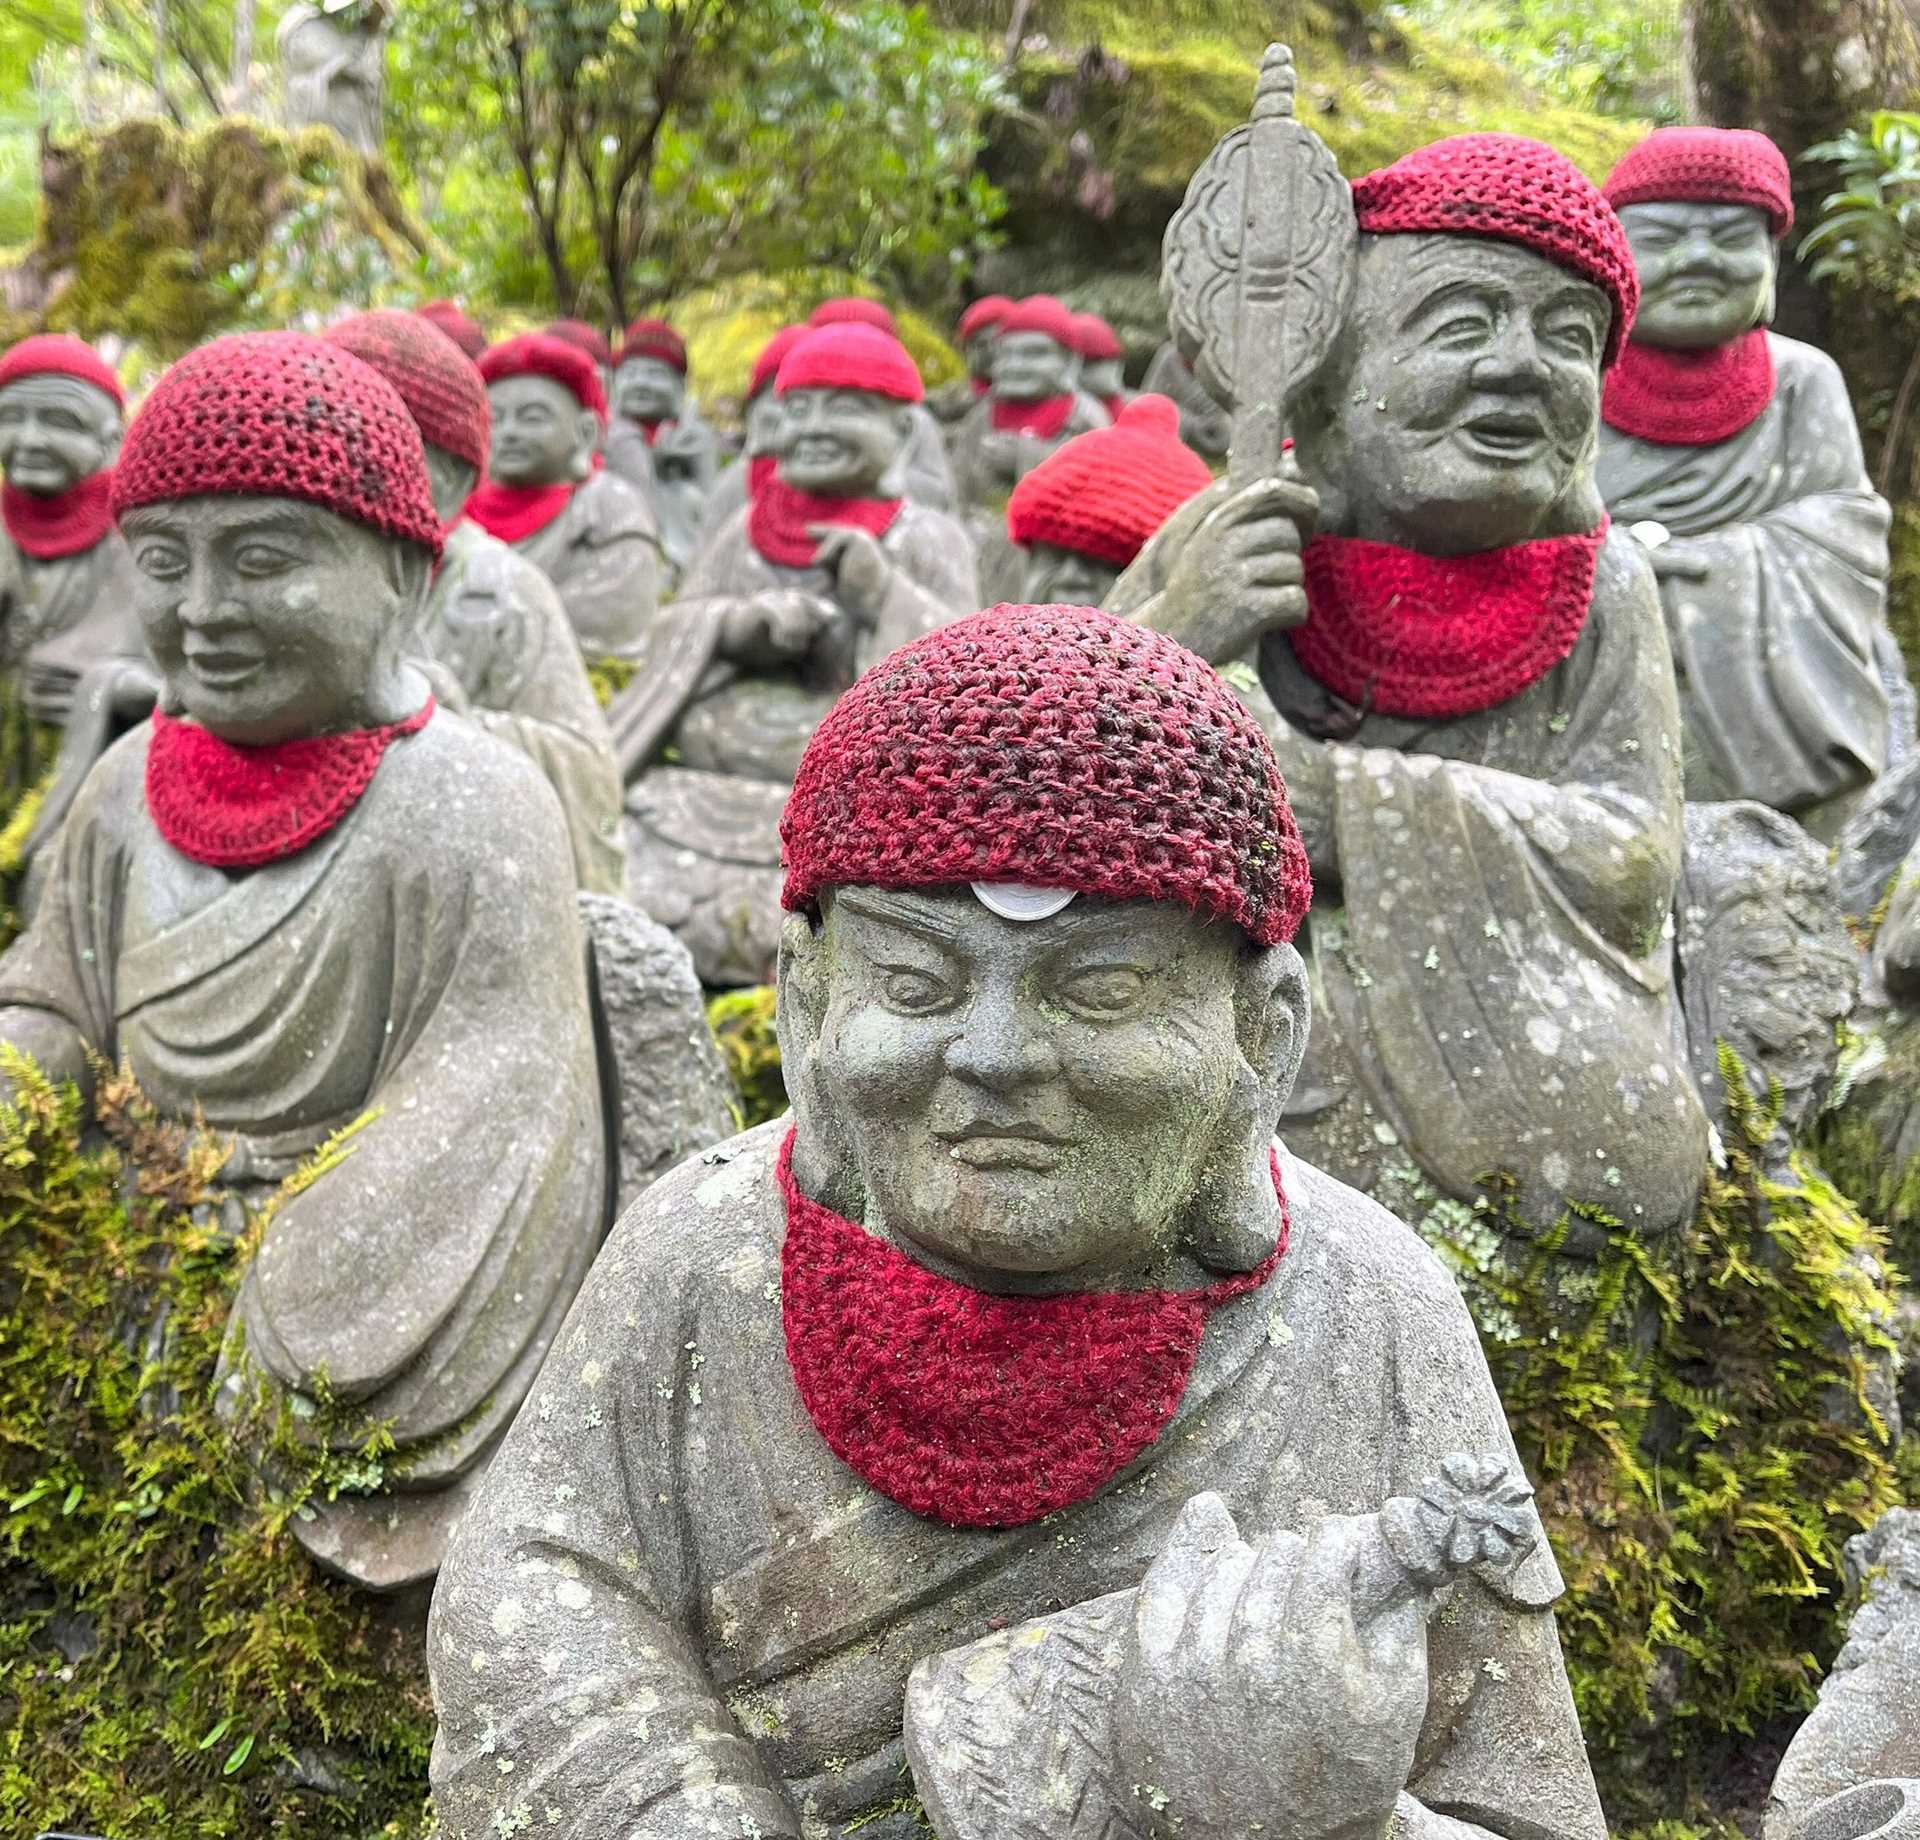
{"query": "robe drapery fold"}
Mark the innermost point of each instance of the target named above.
(603, 554)
(60, 617)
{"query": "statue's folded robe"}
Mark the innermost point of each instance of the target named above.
(61, 615)
(603, 553)
(673, 1614)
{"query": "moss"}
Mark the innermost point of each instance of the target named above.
(1903, 583)
(742, 1023)
(609, 676)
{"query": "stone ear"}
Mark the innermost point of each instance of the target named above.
(582, 467)
(823, 1159)
(1272, 1012)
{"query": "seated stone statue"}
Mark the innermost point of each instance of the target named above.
(1102, 362)
(1733, 455)
(659, 441)
(1204, 425)
(829, 568)
(301, 900)
(492, 621)
(1086, 511)
(333, 71)
(929, 471)
(1033, 405)
(760, 452)
(979, 325)
(588, 531)
(1466, 679)
(451, 319)
(955, 1344)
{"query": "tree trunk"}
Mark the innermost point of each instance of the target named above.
(240, 66)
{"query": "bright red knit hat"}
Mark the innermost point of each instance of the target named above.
(851, 357)
(280, 415)
(987, 311)
(772, 355)
(1517, 190)
(439, 385)
(1041, 313)
(1706, 166)
(1095, 340)
(446, 316)
(854, 310)
(582, 337)
(1104, 493)
(653, 338)
(539, 354)
(60, 354)
(1055, 746)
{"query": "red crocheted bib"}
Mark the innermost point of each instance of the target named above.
(1689, 398)
(237, 807)
(1044, 418)
(61, 523)
(514, 513)
(760, 469)
(977, 1410)
(1437, 636)
(777, 523)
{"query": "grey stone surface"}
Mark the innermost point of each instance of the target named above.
(333, 71)
(676, 469)
(1205, 426)
(1877, 841)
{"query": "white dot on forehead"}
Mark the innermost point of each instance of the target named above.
(1020, 900)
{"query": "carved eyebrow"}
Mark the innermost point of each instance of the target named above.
(875, 904)
(1582, 298)
(1467, 286)
(267, 522)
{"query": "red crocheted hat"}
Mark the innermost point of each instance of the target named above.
(539, 354)
(850, 357)
(1041, 313)
(438, 383)
(582, 337)
(280, 415)
(1106, 492)
(445, 316)
(653, 338)
(987, 311)
(854, 310)
(60, 354)
(772, 355)
(1515, 189)
(1095, 340)
(1706, 166)
(1056, 746)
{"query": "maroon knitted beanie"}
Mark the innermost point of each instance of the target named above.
(582, 337)
(1057, 746)
(1706, 166)
(850, 357)
(854, 310)
(1041, 313)
(1104, 493)
(445, 316)
(60, 354)
(773, 354)
(439, 384)
(1515, 189)
(986, 312)
(538, 354)
(653, 338)
(280, 415)
(1095, 340)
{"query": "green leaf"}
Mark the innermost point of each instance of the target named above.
(238, 1755)
(216, 1734)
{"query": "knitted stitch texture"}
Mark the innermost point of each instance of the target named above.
(1441, 636)
(514, 513)
(60, 354)
(1095, 340)
(1041, 313)
(280, 415)
(1514, 189)
(237, 807)
(977, 1410)
(772, 354)
(445, 317)
(1104, 493)
(777, 523)
(1043, 419)
(1057, 746)
(653, 338)
(851, 357)
(582, 337)
(854, 310)
(53, 524)
(440, 386)
(1689, 398)
(988, 311)
(1706, 166)
(535, 354)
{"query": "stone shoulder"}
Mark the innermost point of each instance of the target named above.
(609, 508)
(1800, 368)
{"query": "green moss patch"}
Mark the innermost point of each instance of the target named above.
(742, 1023)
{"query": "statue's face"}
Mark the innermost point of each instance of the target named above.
(841, 442)
(1104, 377)
(541, 434)
(1029, 367)
(1064, 576)
(648, 390)
(270, 618)
(979, 353)
(765, 421)
(1706, 272)
(1465, 400)
(55, 432)
(451, 478)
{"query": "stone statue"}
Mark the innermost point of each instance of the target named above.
(929, 479)
(957, 1343)
(1033, 405)
(588, 531)
(1204, 425)
(309, 908)
(760, 451)
(1102, 362)
(659, 441)
(829, 568)
(1086, 511)
(1465, 677)
(979, 326)
(1732, 454)
(590, 339)
(333, 69)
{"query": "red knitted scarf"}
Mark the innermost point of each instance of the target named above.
(1436, 636)
(977, 1410)
(1044, 418)
(777, 523)
(1689, 398)
(514, 513)
(237, 807)
(652, 429)
(60, 523)
(760, 469)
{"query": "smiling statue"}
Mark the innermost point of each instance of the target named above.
(302, 900)
(954, 1345)
(1732, 454)
(1466, 680)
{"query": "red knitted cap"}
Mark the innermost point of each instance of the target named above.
(280, 415)
(850, 357)
(1041, 313)
(445, 316)
(989, 310)
(1104, 493)
(60, 354)
(1706, 166)
(582, 337)
(539, 354)
(1095, 340)
(437, 382)
(1056, 746)
(1518, 190)
(854, 310)
(653, 338)
(772, 355)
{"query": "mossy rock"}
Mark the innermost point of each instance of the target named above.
(1903, 583)
(742, 1023)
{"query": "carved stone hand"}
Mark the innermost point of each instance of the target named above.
(1239, 574)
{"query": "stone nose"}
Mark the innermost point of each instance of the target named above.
(1513, 361)
(1003, 1041)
